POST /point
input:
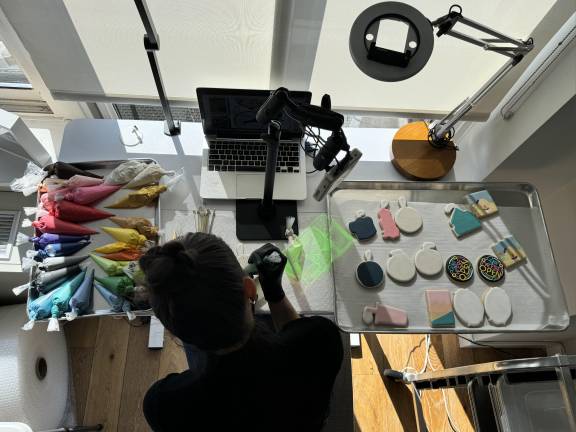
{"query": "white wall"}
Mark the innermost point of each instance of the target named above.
(484, 146)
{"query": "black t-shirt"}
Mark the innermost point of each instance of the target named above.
(276, 382)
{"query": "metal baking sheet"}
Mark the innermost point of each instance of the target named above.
(102, 168)
(537, 298)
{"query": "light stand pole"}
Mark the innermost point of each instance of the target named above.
(151, 45)
(265, 219)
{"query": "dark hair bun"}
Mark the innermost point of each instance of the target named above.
(177, 251)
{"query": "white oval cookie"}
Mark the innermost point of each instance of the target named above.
(468, 307)
(497, 306)
(400, 267)
(428, 260)
(407, 219)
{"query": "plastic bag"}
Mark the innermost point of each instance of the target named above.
(28, 183)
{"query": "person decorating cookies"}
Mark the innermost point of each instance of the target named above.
(242, 374)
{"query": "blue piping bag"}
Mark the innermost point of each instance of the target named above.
(81, 301)
(49, 238)
(117, 303)
(61, 300)
(38, 309)
(64, 249)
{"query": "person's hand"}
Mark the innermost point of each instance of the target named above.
(270, 263)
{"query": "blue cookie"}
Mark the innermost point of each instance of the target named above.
(369, 274)
(362, 228)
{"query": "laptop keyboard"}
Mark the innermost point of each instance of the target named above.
(232, 155)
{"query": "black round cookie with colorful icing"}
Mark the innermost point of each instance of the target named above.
(459, 268)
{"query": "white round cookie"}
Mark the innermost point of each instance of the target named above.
(468, 307)
(497, 306)
(407, 219)
(428, 260)
(400, 267)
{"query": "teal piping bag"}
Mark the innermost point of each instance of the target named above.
(38, 309)
(61, 300)
(117, 303)
(81, 302)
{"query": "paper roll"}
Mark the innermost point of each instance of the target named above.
(33, 372)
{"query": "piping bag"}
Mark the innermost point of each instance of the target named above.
(86, 194)
(61, 300)
(114, 247)
(125, 255)
(294, 252)
(140, 224)
(53, 250)
(117, 303)
(38, 309)
(81, 302)
(119, 285)
(79, 180)
(127, 235)
(149, 175)
(145, 195)
(73, 212)
(49, 238)
(45, 289)
(51, 224)
(112, 268)
(45, 278)
(64, 249)
(125, 172)
(55, 263)
(63, 170)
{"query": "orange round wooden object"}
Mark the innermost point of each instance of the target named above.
(415, 158)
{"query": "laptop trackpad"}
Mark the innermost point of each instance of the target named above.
(249, 185)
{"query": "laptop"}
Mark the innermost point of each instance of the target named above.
(234, 164)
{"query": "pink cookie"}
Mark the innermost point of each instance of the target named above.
(386, 221)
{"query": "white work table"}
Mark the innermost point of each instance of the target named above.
(97, 140)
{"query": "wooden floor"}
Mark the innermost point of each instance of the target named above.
(112, 369)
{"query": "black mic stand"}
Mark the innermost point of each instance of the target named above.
(265, 219)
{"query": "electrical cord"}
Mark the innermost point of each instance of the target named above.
(508, 353)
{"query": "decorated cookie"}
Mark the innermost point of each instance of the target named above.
(369, 274)
(363, 227)
(389, 229)
(383, 315)
(468, 307)
(482, 204)
(459, 268)
(490, 268)
(509, 251)
(407, 218)
(428, 260)
(462, 221)
(440, 311)
(400, 267)
(497, 306)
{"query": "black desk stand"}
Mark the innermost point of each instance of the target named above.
(265, 219)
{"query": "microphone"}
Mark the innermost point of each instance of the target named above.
(326, 102)
(271, 109)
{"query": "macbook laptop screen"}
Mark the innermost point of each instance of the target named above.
(229, 113)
